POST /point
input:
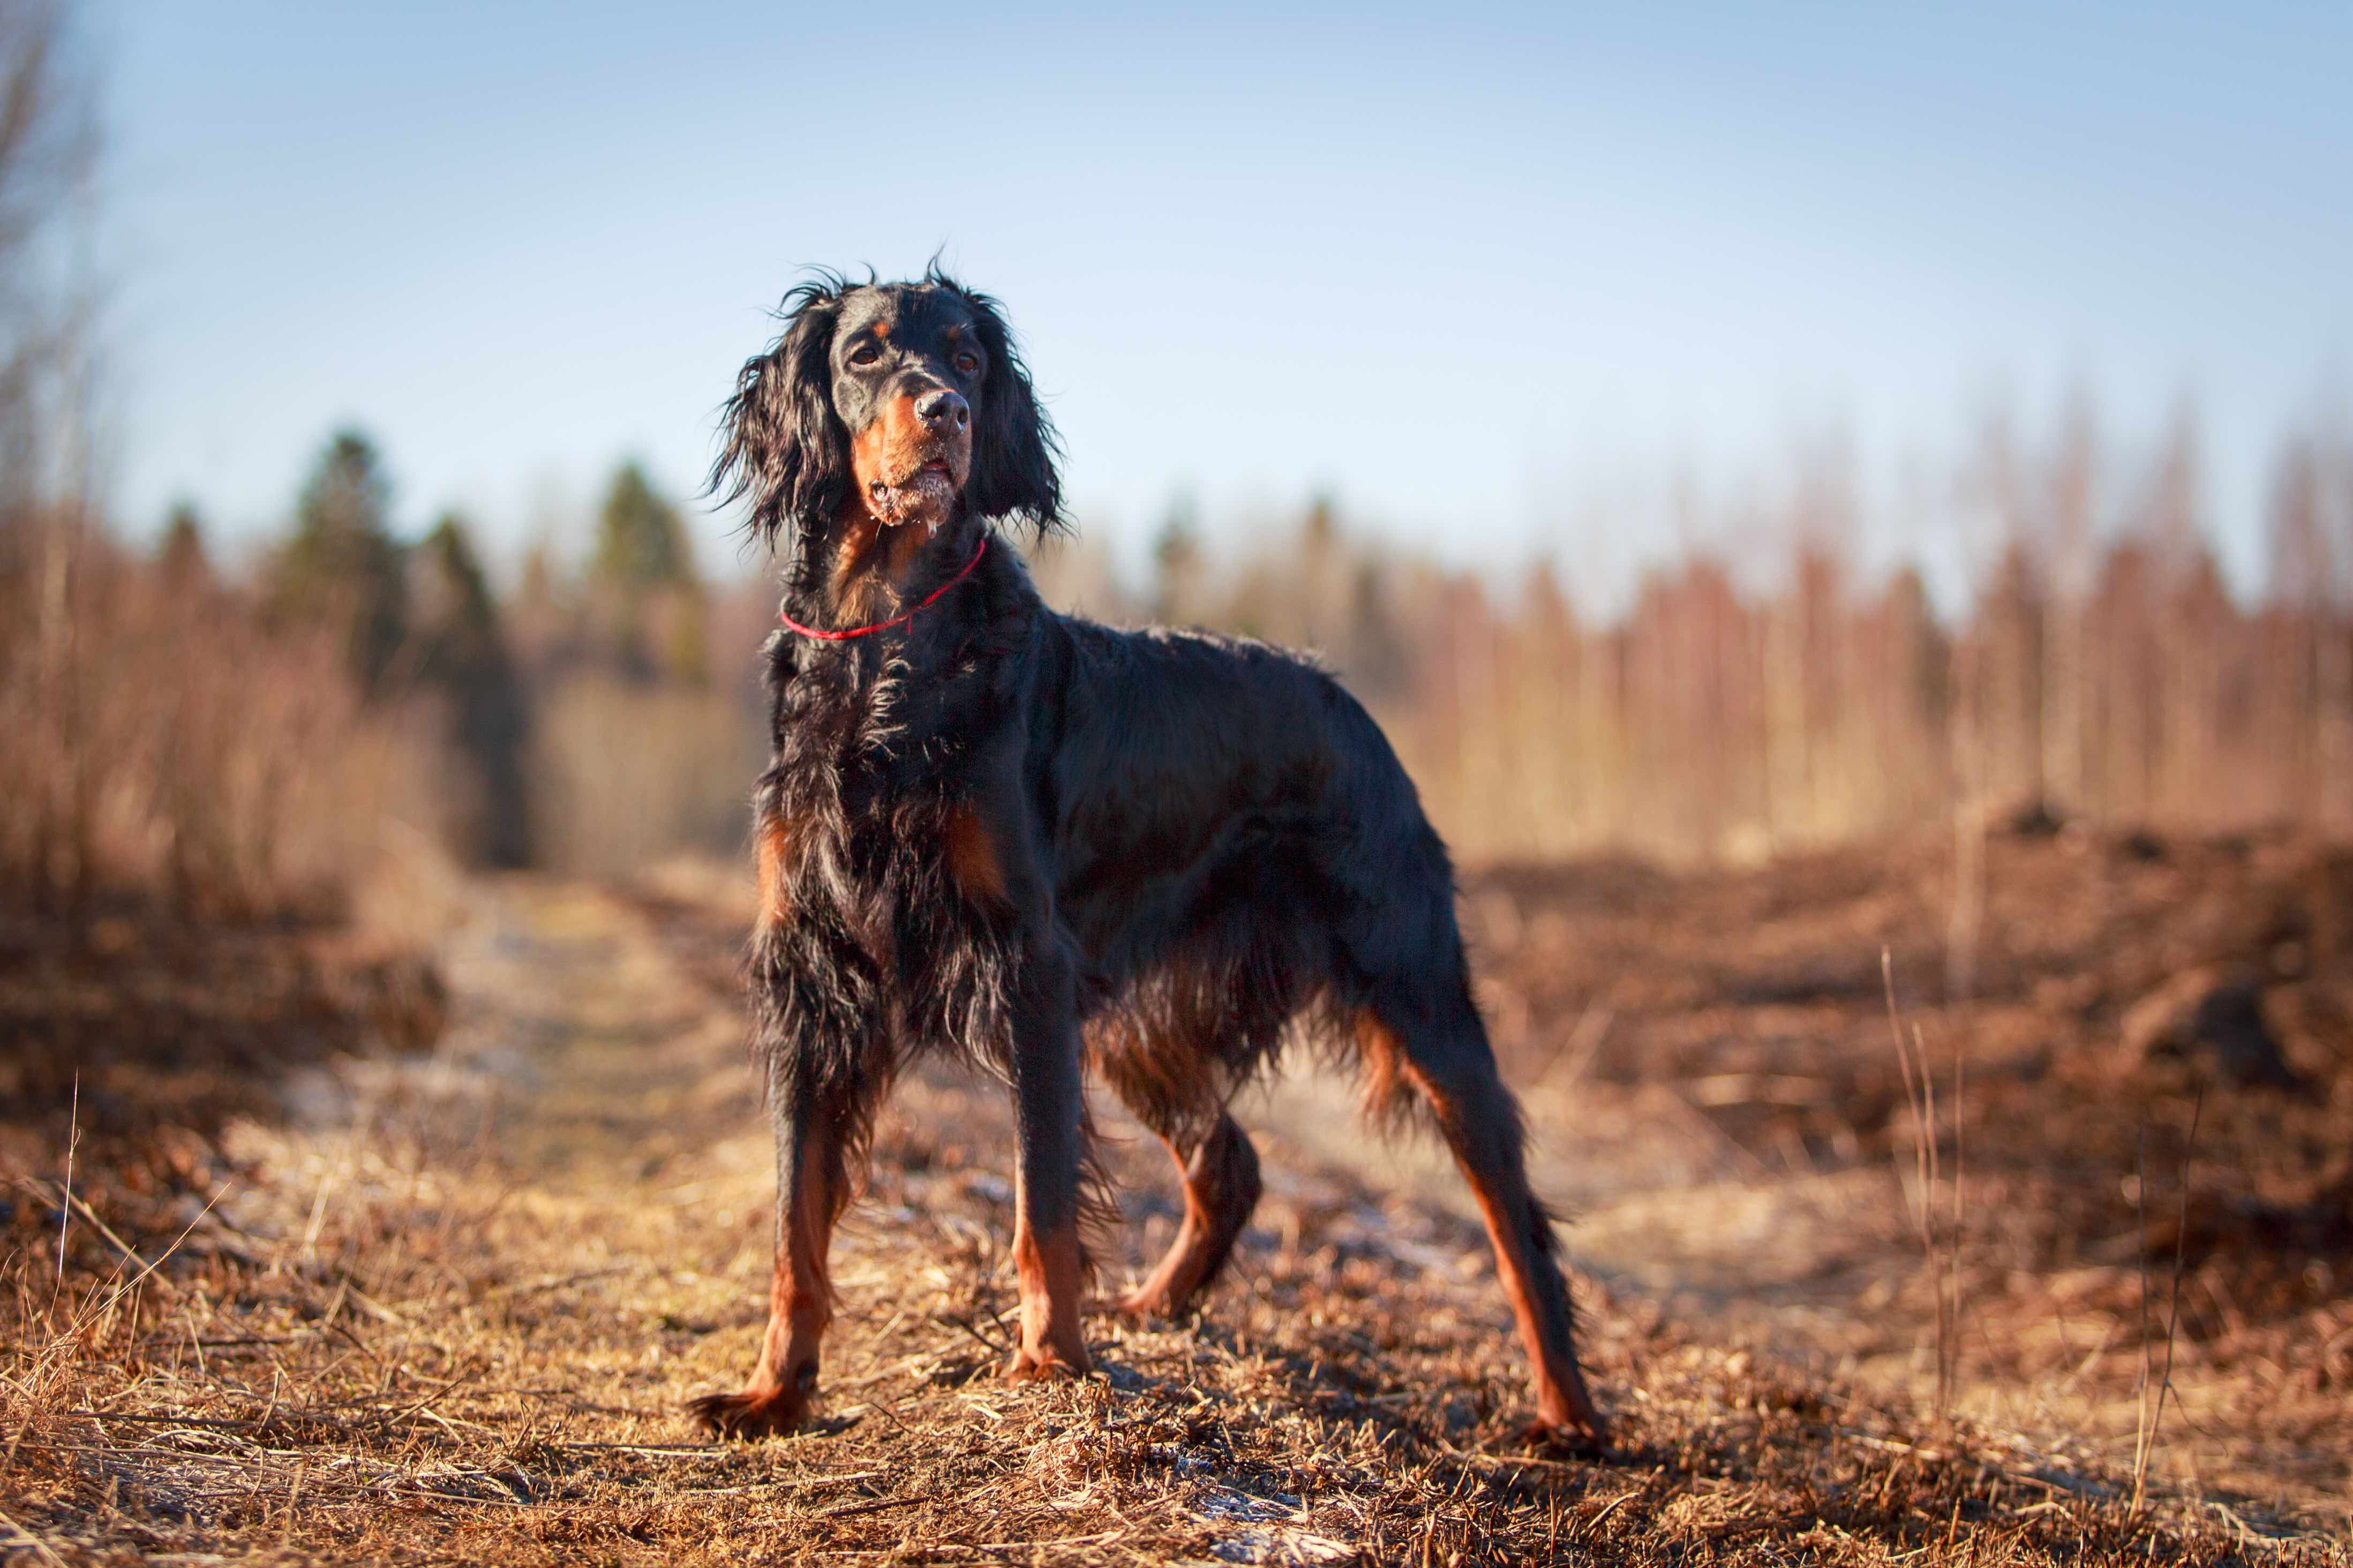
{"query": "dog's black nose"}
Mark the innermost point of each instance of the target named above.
(943, 410)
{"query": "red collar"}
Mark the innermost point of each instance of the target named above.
(899, 620)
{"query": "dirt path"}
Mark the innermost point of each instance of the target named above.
(457, 1316)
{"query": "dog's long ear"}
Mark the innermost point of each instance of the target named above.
(1014, 450)
(783, 446)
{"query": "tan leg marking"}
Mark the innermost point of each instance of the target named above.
(1051, 1275)
(800, 1305)
(1502, 1193)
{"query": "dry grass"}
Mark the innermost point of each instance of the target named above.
(1729, 1143)
(448, 1311)
(623, 774)
(168, 751)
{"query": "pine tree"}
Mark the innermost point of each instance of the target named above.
(461, 649)
(181, 556)
(641, 540)
(457, 620)
(1178, 563)
(643, 578)
(342, 569)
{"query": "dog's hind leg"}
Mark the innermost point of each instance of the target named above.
(1219, 1170)
(1428, 1034)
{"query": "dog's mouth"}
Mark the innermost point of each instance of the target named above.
(925, 495)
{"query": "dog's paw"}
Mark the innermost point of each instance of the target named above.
(1150, 1302)
(1029, 1365)
(1585, 1439)
(751, 1415)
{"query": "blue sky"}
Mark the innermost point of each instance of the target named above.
(1500, 278)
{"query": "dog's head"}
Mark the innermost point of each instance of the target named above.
(908, 400)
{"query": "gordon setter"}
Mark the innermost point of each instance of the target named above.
(1049, 845)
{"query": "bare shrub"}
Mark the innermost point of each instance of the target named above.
(2115, 681)
(176, 745)
(626, 772)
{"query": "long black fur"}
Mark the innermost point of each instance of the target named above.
(1204, 842)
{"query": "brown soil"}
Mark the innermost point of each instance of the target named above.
(452, 1301)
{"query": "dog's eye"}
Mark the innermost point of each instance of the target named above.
(968, 361)
(864, 354)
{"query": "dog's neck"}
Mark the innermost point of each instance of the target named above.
(866, 570)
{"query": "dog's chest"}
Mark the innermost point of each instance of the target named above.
(872, 778)
(873, 722)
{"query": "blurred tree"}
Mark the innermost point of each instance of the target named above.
(2074, 477)
(462, 650)
(643, 578)
(2004, 700)
(2303, 568)
(48, 140)
(1380, 658)
(640, 539)
(540, 617)
(456, 619)
(1322, 594)
(181, 556)
(343, 568)
(2175, 498)
(538, 586)
(48, 302)
(1177, 565)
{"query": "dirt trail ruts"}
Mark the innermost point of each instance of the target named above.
(456, 1316)
(1759, 1247)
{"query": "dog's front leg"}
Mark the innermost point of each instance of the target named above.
(1048, 1106)
(813, 1136)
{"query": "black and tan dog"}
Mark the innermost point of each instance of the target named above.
(993, 829)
